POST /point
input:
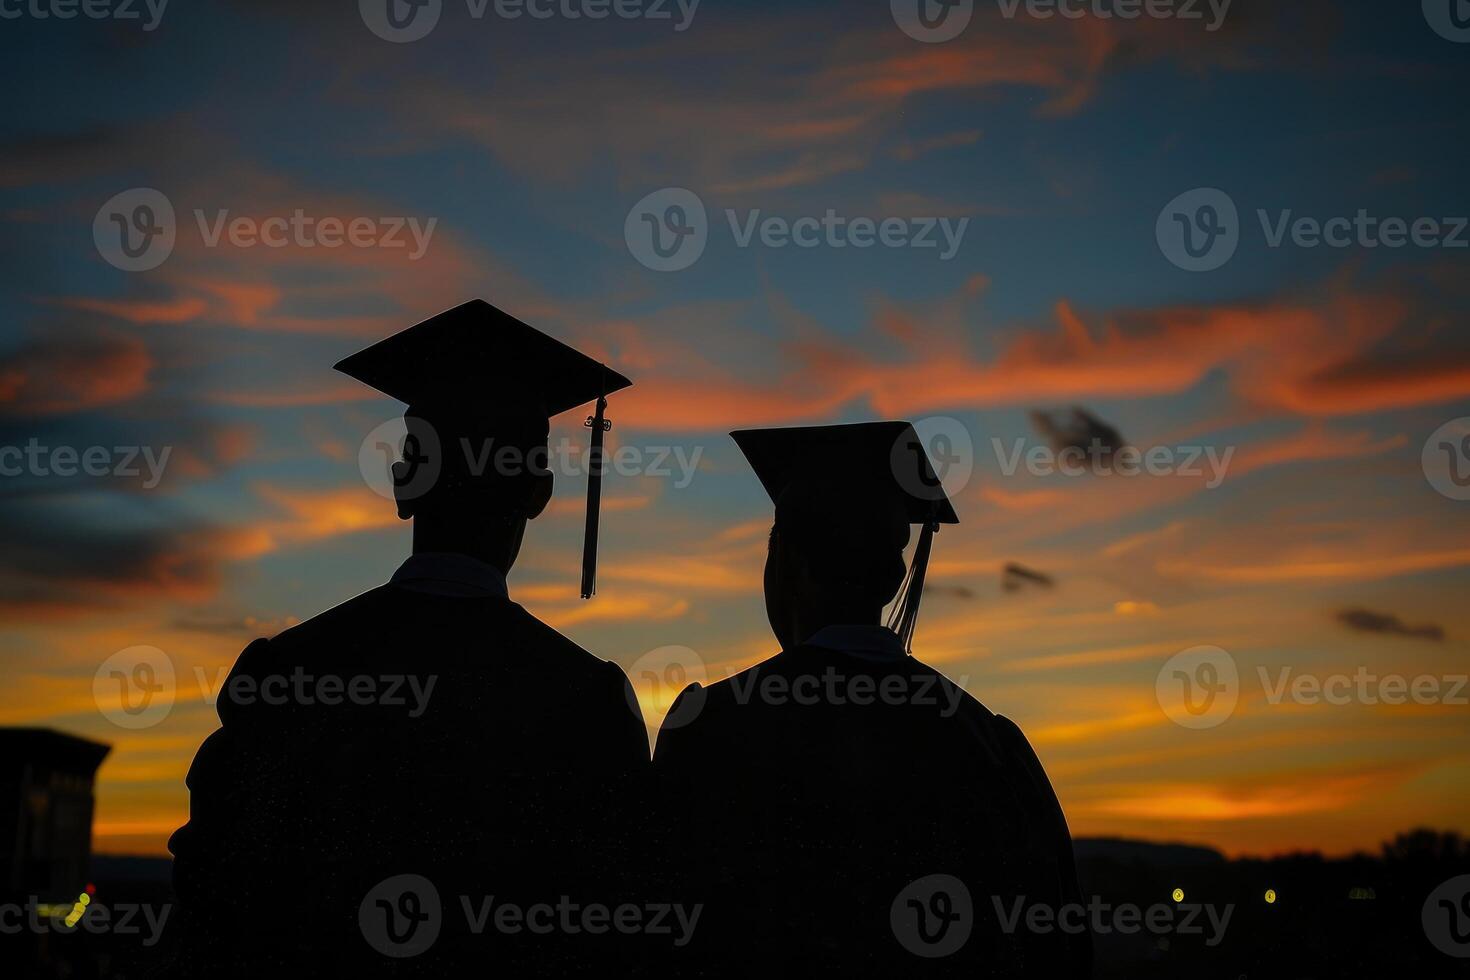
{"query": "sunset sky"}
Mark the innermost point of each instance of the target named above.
(1322, 370)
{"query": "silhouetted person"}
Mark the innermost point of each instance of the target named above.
(443, 732)
(842, 808)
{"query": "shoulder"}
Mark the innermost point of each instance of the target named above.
(734, 690)
(390, 611)
(689, 718)
(724, 707)
(558, 654)
(362, 612)
(1015, 746)
(956, 694)
(1001, 738)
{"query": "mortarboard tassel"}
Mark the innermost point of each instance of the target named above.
(906, 613)
(598, 425)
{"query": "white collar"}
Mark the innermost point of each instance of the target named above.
(448, 573)
(865, 642)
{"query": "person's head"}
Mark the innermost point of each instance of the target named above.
(470, 483)
(845, 498)
(481, 386)
(836, 556)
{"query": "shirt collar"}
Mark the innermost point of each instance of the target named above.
(446, 573)
(878, 643)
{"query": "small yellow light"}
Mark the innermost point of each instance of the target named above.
(1270, 896)
(84, 900)
(1179, 894)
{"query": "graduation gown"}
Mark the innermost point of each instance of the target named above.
(800, 822)
(516, 777)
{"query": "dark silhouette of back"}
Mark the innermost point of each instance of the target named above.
(801, 825)
(517, 781)
(394, 774)
(843, 809)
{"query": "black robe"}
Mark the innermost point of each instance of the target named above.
(519, 779)
(811, 825)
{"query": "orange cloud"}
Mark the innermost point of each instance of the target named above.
(576, 506)
(608, 606)
(1347, 564)
(54, 377)
(317, 514)
(1315, 443)
(722, 573)
(1024, 500)
(1290, 794)
(1094, 657)
(179, 310)
(1274, 353)
(1085, 731)
(310, 394)
(1371, 384)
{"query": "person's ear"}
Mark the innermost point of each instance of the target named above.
(402, 475)
(415, 473)
(775, 586)
(772, 575)
(538, 494)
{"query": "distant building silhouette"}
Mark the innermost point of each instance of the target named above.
(46, 804)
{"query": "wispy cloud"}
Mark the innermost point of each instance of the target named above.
(1368, 621)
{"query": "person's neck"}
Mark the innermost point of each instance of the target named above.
(808, 622)
(493, 550)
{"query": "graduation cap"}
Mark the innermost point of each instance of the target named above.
(476, 361)
(883, 462)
